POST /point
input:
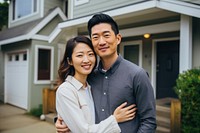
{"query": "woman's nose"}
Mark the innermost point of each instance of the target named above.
(85, 58)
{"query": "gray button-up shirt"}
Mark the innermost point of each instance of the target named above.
(124, 82)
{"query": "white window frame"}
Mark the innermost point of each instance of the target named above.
(36, 81)
(27, 16)
(139, 42)
(80, 2)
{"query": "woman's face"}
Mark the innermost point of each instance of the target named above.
(83, 59)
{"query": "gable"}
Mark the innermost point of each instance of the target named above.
(48, 28)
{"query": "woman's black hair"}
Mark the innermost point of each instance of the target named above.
(65, 68)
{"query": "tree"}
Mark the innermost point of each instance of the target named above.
(3, 14)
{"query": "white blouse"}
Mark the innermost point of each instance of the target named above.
(76, 107)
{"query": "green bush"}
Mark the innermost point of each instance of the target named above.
(188, 90)
(36, 111)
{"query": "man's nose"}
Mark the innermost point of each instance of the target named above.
(101, 40)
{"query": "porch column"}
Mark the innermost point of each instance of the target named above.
(185, 43)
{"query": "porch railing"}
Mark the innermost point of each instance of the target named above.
(49, 101)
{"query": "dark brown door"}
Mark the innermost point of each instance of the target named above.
(167, 68)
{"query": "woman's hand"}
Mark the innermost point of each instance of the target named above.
(60, 126)
(123, 113)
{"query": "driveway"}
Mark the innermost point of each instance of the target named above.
(15, 120)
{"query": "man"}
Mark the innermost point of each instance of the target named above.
(117, 80)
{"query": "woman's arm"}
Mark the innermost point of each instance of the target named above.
(69, 109)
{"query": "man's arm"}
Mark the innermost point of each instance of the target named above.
(145, 102)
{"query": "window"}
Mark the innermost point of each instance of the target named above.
(66, 8)
(10, 58)
(16, 57)
(43, 64)
(23, 8)
(131, 53)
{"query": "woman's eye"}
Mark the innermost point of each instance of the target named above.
(79, 55)
(91, 54)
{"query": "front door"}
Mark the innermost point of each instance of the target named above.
(167, 68)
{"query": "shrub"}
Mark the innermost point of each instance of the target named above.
(188, 90)
(36, 111)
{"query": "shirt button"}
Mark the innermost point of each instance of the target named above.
(104, 93)
(106, 77)
(102, 110)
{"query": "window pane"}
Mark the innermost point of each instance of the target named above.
(10, 58)
(24, 57)
(16, 57)
(23, 8)
(44, 64)
(131, 53)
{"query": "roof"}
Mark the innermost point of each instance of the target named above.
(29, 30)
(185, 7)
(18, 30)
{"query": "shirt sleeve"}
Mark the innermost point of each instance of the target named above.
(145, 102)
(68, 108)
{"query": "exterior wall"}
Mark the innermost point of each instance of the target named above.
(94, 6)
(147, 54)
(1, 76)
(49, 4)
(196, 43)
(35, 93)
(50, 26)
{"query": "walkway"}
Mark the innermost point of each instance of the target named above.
(15, 120)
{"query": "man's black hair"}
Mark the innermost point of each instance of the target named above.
(102, 18)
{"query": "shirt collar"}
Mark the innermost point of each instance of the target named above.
(113, 67)
(77, 84)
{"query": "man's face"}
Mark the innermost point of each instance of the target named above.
(104, 40)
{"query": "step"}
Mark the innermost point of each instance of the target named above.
(163, 122)
(162, 111)
(162, 130)
(50, 117)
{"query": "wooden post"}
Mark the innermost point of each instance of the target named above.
(175, 116)
(45, 100)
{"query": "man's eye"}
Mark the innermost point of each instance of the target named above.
(107, 35)
(95, 37)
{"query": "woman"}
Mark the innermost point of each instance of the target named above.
(74, 102)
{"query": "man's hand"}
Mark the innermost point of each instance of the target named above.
(60, 126)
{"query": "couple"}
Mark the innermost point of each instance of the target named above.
(116, 85)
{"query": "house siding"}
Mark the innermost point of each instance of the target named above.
(50, 4)
(94, 6)
(50, 27)
(35, 93)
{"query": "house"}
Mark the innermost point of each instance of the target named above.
(28, 60)
(173, 45)
(31, 48)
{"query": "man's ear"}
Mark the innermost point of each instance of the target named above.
(119, 38)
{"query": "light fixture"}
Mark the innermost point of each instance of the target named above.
(146, 35)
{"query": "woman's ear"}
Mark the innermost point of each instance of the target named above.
(69, 62)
